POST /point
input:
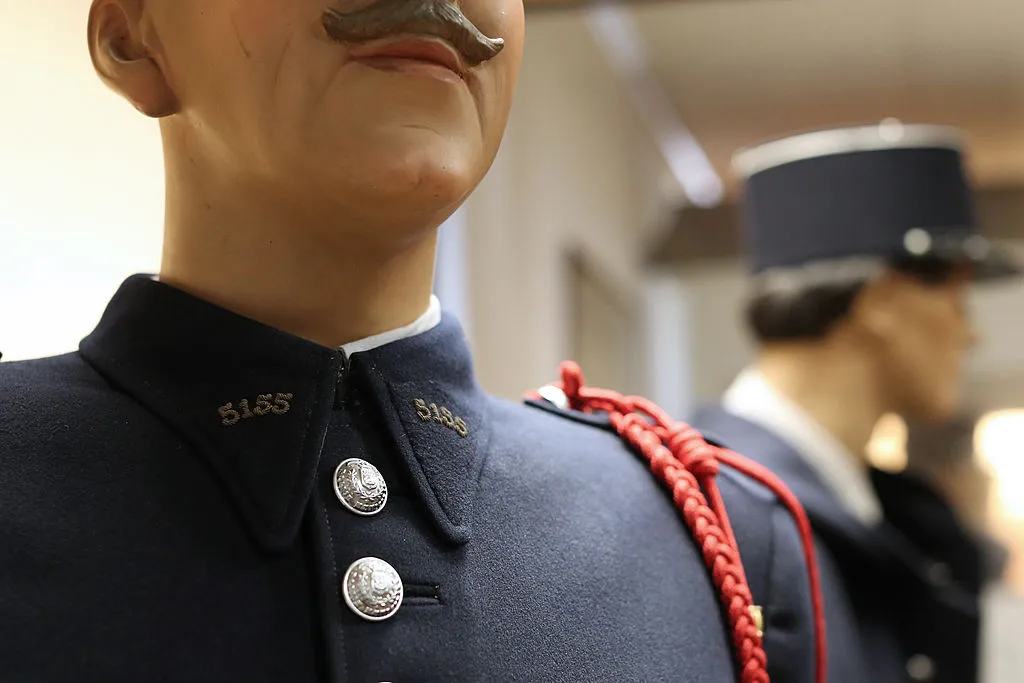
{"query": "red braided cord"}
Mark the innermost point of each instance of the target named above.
(682, 460)
(767, 478)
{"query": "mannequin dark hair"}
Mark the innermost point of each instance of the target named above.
(810, 312)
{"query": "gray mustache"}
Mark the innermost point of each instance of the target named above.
(418, 17)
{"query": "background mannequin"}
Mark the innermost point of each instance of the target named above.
(863, 244)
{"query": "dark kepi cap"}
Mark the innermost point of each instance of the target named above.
(889, 191)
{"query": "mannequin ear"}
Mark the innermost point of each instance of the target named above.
(873, 310)
(123, 60)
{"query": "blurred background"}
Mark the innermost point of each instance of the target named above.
(606, 230)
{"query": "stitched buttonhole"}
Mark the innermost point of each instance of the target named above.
(422, 595)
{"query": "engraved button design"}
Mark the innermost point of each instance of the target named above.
(372, 589)
(360, 487)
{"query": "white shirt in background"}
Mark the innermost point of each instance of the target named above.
(753, 398)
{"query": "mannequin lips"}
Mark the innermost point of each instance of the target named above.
(412, 55)
(394, 19)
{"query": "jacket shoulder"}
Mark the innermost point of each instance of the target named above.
(564, 446)
(50, 374)
(591, 435)
(585, 448)
(38, 392)
(52, 410)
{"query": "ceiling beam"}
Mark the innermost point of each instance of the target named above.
(699, 235)
(620, 40)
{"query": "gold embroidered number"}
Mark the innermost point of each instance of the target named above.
(447, 419)
(229, 416)
(282, 404)
(266, 404)
(442, 416)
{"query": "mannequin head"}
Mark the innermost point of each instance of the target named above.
(387, 113)
(863, 240)
(907, 325)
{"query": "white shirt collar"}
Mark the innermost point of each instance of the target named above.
(753, 398)
(426, 322)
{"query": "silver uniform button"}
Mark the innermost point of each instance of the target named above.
(921, 668)
(554, 396)
(372, 589)
(360, 487)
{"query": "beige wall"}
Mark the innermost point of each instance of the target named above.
(577, 170)
(81, 182)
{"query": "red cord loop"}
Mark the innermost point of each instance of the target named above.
(572, 381)
(687, 465)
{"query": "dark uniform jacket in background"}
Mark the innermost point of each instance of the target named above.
(149, 532)
(902, 599)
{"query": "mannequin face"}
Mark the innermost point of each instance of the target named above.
(344, 101)
(923, 334)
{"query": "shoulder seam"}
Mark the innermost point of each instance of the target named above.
(600, 421)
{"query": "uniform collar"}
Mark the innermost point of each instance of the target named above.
(752, 397)
(255, 402)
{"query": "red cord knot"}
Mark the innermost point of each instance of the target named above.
(696, 454)
(681, 436)
(702, 463)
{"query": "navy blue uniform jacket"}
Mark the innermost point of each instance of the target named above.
(901, 599)
(148, 533)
